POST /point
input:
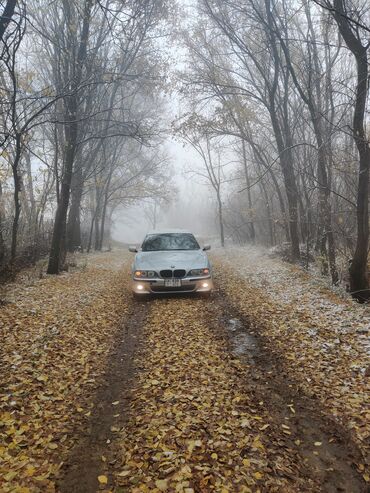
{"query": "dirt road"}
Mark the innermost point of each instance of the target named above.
(192, 397)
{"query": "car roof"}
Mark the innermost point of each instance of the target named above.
(165, 231)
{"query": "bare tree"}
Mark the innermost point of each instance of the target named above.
(353, 32)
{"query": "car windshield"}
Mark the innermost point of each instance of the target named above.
(169, 241)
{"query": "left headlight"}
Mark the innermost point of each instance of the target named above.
(199, 272)
(145, 273)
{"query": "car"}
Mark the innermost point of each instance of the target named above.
(171, 262)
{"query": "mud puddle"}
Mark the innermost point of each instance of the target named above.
(244, 345)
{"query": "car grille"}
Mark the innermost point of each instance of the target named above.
(178, 273)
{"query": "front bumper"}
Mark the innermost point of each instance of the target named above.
(188, 285)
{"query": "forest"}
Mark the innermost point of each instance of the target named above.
(280, 88)
(80, 122)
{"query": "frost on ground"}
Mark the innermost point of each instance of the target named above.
(325, 338)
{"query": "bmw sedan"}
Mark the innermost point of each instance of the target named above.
(171, 262)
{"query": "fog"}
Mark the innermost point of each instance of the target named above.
(190, 207)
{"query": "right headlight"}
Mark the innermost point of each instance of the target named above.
(199, 272)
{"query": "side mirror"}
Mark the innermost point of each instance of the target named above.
(206, 247)
(132, 249)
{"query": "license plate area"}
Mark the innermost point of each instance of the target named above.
(172, 283)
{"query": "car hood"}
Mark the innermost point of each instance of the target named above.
(181, 259)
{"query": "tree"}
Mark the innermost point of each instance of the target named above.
(310, 90)
(6, 16)
(252, 73)
(351, 32)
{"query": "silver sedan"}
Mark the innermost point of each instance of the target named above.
(171, 262)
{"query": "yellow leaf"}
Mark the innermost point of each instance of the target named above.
(258, 475)
(42, 477)
(30, 470)
(10, 475)
(52, 445)
(246, 462)
(162, 484)
(42, 378)
(122, 474)
(214, 456)
(103, 479)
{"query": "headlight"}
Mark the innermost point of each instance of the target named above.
(199, 272)
(145, 273)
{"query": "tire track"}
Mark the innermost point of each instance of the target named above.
(85, 463)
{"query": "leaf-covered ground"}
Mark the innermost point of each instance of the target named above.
(324, 338)
(55, 336)
(193, 424)
(242, 392)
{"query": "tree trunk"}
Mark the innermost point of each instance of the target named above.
(286, 163)
(283, 145)
(103, 218)
(359, 281)
(97, 230)
(220, 219)
(269, 218)
(7, 16)
(250, 205)
(2, 244)
(17, 205)
(74, 222)
(104, 209)
(89, 243)
(59, 230)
